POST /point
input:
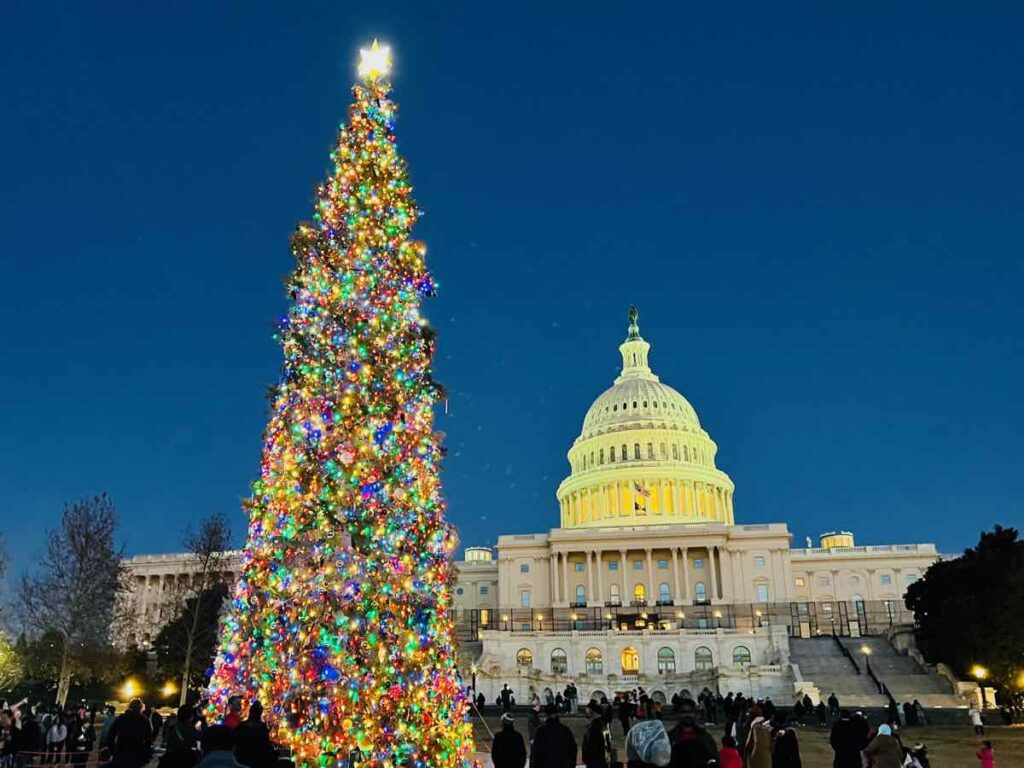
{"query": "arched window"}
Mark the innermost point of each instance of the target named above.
(636, 450)
(613, 594)
(650, 450)
(581, 594)
(700, 591)
(664, 593)
(858, 603)
(702, 659)
(675, 452)
(591, 458)
(524, 658)
(600, 456)
(594, 662)
(662, 450)
(686, 453)
(741, 655)
(611, 454)
(559, 661)
(630, 661)
(625, 452)
(639, 593)
(666, 661)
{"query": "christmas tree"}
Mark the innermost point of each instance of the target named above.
(339, 623)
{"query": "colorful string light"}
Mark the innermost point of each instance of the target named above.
(340, 621)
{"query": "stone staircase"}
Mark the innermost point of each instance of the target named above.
(903, 676)
(822, 662)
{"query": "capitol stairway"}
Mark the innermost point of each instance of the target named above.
(822, 662)
(903, 676)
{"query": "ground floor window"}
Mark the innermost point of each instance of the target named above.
(741, 655)
(524, 658)
(594, 662)
(666, 661)
(702, 659)
(559, 661)
(630, 661)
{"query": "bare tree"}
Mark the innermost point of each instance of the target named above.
(208, 544)
(75, 589)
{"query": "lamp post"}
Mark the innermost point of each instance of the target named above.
(473, 669)
(980, 674)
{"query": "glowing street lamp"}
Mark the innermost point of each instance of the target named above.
(130, 689)
(979, 672)
(169, 689)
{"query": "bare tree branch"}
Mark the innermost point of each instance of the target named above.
(74, 591)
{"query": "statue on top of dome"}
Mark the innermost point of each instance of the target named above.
(634, 328)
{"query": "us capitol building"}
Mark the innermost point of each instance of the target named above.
(647, 580)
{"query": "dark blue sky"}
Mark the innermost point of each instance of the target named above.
(819, 211)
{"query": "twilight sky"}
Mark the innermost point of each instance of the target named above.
(819, 211)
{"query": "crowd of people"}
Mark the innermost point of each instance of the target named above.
(757, 734)
(135, 737)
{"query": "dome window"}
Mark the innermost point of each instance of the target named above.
(650, 451)
(636, 451)
(645, 403)
(625, 406)
(662, 450)
(611, 455)
(615, 408)
(655, 403)
(625, 452)
(600, 456)
(634, 403)
(675, 452)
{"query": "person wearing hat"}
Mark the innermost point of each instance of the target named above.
(885, 751)
(597, 741)
(508, 750)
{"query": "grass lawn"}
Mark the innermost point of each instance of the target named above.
(948, 746)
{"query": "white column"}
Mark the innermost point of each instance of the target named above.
(554, 578)
(626, 597)
(600, 585)
(686, 574)
(650, 569)
(676, 596)
(590, 576)
(565, 577)
(714, 576)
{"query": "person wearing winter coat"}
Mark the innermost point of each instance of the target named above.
(847, 739)
(508, 750)
(56, 735)
(786, 749)
(885, 750)
(131, 737)
(597, 742)
(692, 745)
(81, 737)
(554, 745)
(758, 749)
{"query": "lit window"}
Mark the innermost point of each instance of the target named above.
(613, 565)
(578, 566)
(800, 582)
(639, 593)
(484, 589)
(524, 598)
(698, 563)
(762, 593)
(638, 565)
(630, 661)
(886, 579)
(702, 659)
(524, 568)
(759, 561)
(666, 661)
(594, 662)
(524, 658)
(663, 563)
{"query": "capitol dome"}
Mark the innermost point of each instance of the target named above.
(642, 456)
